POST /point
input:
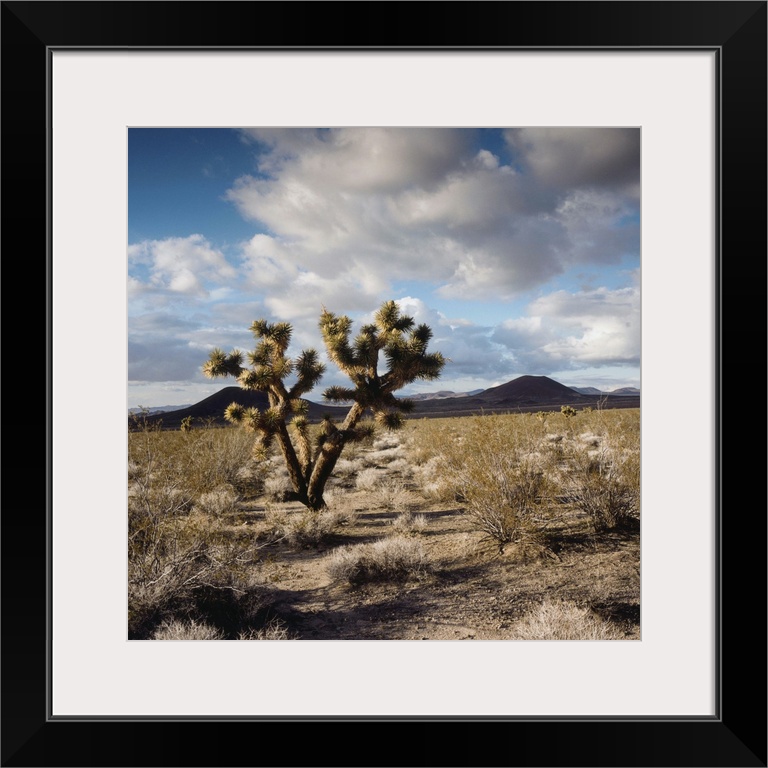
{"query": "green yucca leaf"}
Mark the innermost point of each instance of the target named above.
(221, 364)
(262, 446)
(422, 333)
(300, 423)
(234, 413)
(255, 380)
(271, 419)
(308, 364)
(211, 370)
(395, 352)
(362, 432)
(259, 328)
(280, 334)
(387, 316)
(365, 343)
(260, 356)
(282, 367)
(299, 407)
(406, 406)
(338, 394)
(334, 325)
(431, 366)
(390, 420)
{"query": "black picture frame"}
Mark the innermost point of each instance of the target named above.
(736, 736)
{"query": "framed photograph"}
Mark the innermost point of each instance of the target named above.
(660, 106)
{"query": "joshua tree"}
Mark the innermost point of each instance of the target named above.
(404, 346)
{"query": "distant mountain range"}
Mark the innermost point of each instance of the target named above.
(443, 394)
(159, 408)
(525, 393)
(621, 391)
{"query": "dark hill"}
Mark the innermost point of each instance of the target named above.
(213, 406)
(530, 390)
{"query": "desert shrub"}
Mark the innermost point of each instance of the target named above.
(186, 424)
(392, 559)
(422, 438)
(402, 466)
(605, 484)
(249, 480)
(433, 480)
(563, 620)
(200, 461)
(278, 488)
(179, 553)
(408, 522)
(274, 629)
(392, 495)
(214, 456)
(383, 456)
(305, 528)
(500, 478)
(175, 561)
(218, 502)
(369, 479)
(187, 630)
(346, 468)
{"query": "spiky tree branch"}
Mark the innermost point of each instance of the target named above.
(392, 334)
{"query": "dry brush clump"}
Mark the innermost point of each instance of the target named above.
(187, 630)
(516, 478)
(501, 478)
(369, 479)
(600, 472)
(407, 523)
(219, 502)
(391, 494)
(306, 527)
(183, 557)
(397, 558)
(274, 629)
(564, 620)
(176, 566)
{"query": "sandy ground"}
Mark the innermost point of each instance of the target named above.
(474, 592)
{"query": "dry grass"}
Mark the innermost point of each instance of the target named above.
(275, 629)
(563, 620)
(501, 513)
(187, 630)
(303, 527)
(407, 522)
(395, 558)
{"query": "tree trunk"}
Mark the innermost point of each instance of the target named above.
(327, 458)
(292, 462)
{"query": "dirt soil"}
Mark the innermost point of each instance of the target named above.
(474, 591)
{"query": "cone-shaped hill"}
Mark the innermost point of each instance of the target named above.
(213, 407)
(530, 390)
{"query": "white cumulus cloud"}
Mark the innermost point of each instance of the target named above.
(185, 265)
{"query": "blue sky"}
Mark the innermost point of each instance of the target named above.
(520, 247)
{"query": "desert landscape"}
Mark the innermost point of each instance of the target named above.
(427, 342)
(523, 525)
